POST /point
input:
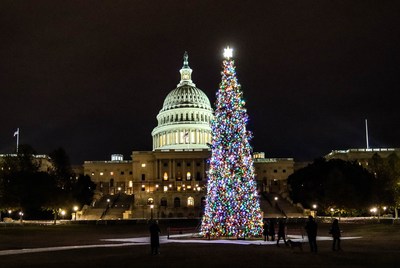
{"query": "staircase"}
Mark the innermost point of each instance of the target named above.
(278, 208)
(109, 207)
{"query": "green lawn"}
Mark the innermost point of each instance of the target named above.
(378, 247)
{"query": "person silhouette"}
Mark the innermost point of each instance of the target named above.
(281, 232)
(265, 230)
(271, 229)
(311, 229)
(154, 237)
(335, 232)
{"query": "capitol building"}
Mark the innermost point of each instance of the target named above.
(170, 181)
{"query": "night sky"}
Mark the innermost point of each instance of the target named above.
(91, 76)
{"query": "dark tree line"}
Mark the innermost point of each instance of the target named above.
(347, 186)
(39, 193)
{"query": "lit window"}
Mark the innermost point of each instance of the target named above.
(165, 188)
(92, 173)
(179, 188)
(165, 176)
(112, 173)
(101, 173)
(188, 178)
(190, 202)
(143, 165)
(130, 183)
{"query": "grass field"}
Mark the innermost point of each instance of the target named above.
(379, 246)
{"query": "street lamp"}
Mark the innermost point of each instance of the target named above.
(332, 212)
(151, 211)
(62, 214)
(75, 208)
(108, 202)
(314, 210)
(20, 216)
(373, 210)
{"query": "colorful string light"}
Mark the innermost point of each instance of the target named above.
(232, 203)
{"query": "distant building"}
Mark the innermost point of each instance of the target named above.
(272, 173)
(44, 161)
(362, 156)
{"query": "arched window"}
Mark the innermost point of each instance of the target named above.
(188, 176)
(163, 202)
(165, 178)
(150, 201)
(177, 202)
(190, 201)
(112, 183)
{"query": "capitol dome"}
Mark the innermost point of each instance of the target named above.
(186, 96)
(184, 120)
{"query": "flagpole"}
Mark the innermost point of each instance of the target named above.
(17, 133)
(366, 132)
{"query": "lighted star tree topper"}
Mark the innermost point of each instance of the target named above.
(232, 202)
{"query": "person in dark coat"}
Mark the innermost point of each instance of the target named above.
(335, 232)
(311, 229)
(271, 230)
(154, 237)
(281, 232)
(265, 230)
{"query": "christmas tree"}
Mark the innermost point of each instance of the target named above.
(232, 203)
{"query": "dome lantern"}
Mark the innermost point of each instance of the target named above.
(186, 72)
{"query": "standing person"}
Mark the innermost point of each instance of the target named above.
(271, 229)
(154, 237)
(265, 230)
(311, 229)
(281, 232)
(335, 232)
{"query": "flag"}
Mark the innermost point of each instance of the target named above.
(186, 135)
(16, 132)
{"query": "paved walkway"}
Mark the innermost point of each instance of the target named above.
(184, 238)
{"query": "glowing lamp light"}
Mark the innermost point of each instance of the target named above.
(228, 52)
(75, 208)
